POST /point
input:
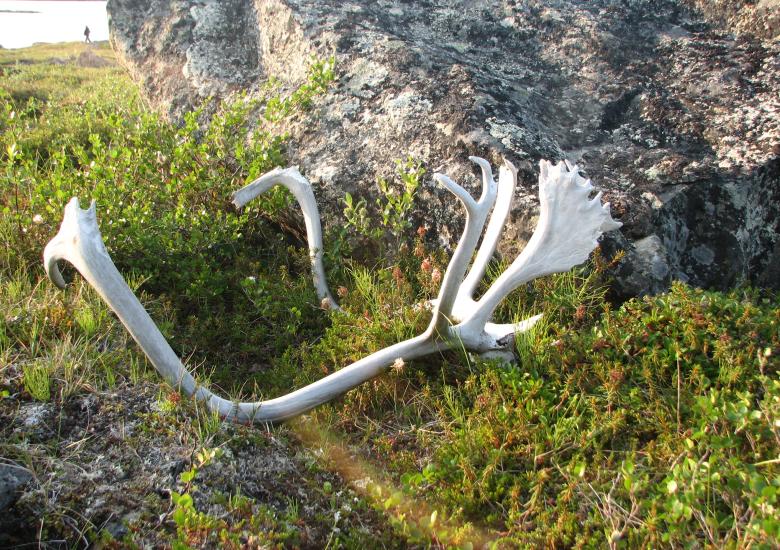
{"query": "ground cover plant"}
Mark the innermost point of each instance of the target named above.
(78, 405)
(651, 423)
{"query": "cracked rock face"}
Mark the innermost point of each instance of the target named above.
(183, 52)
(675, 119)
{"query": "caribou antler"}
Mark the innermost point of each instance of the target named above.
(567, 232)
(568, 227)
(301, 189)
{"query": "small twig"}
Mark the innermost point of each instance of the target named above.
(765, 462)
(679, 423)
(75, 526)
(38, 543)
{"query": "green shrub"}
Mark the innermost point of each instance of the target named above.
(163, 193)
(653, 425)
(657, 426)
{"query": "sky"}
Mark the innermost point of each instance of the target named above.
(55, 21)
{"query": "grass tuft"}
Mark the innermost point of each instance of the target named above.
(652, 423)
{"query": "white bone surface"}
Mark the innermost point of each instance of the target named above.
(301, 189)
(568, 228)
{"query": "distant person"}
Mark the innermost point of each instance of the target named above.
(86, 36)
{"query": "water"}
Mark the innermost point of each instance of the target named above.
(53, 22)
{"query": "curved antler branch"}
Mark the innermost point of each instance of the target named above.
(567, 232)
(476, 215)
(507, 181)
(80, 243)
(301, 189)
(554, 247)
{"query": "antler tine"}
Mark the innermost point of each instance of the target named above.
(507, 181)
(476, 215)
(488, 183)
(555, 246)
(465, 197)
(299, 186)
(497, 332)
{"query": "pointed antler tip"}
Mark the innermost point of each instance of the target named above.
(73, 212)
(610, 223)
(73, 205)
(571, 166)
(295, 172)
(509, 166)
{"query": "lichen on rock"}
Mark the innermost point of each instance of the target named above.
(650, 98)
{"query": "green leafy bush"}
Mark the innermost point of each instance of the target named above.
(393, 207)
(163, 192)
(659, 425)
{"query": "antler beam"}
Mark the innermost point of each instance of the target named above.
(569, 225)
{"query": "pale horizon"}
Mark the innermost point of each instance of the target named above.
(53, 21)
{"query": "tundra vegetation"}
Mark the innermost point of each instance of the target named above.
(655, 422)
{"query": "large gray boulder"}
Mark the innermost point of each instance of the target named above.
(677, 120)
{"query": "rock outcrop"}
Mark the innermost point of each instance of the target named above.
(759, 18)
(12, 479)
(676, 119)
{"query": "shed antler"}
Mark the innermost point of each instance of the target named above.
(301, 189)
(568, 228)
